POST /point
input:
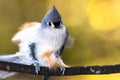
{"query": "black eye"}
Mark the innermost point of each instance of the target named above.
(49, 24)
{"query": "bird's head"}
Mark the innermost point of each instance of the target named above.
(52, 19)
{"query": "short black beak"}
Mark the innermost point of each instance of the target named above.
(57, 24)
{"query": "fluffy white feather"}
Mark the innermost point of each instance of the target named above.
(49, 39)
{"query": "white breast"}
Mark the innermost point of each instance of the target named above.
(50, 40)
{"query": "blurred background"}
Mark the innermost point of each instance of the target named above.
(93, 24)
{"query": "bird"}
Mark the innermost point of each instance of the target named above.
(42, 44)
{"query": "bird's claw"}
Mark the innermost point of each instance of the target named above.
(62, 69)
(37, 67)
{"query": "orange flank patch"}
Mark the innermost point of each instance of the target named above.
(52, 62)
(27, 25)
(62, 64)
(47, 54)
(54, 65)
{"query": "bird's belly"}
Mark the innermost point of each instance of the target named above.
(44, 48)
(51, 43)
(49, 46)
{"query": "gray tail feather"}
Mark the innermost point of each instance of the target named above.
(6, 74)
(9, 58)
(14, 58)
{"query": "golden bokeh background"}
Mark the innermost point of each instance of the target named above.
(94, 25)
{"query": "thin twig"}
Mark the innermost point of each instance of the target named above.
(79, 70)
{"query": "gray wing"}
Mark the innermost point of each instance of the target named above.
(14, 58)
(67, 42)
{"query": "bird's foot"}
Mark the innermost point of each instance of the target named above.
(62, 70)
(37, 67)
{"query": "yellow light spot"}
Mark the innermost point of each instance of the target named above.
(104, 15)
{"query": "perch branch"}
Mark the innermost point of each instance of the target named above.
(79, 70)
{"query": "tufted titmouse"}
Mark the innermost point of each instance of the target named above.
(42, 43)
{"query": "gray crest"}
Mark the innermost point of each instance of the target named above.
(51, 16)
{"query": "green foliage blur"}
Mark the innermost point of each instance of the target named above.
(89, 48)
